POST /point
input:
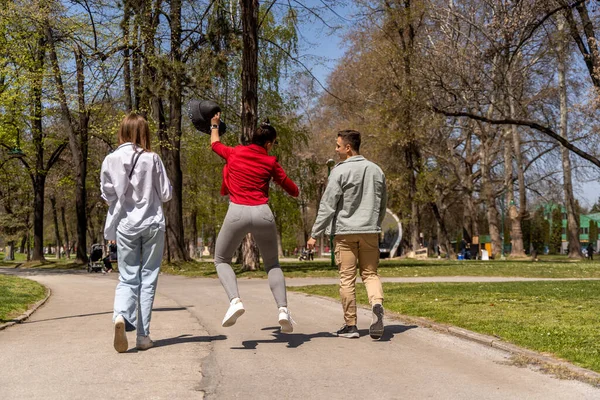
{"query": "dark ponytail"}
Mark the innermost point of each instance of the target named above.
(265, 133)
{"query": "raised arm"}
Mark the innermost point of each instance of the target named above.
(214, 128)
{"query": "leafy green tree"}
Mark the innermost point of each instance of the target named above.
(539, 231)
(556, 231)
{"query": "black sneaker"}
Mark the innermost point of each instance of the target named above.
(376, 328)
(348, 331)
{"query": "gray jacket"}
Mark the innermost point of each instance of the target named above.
(354, 200)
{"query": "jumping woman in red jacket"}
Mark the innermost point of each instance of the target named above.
(246, 176)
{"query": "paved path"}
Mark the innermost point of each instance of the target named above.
(65, 351)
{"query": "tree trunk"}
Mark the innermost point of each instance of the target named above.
(56, 230)
(194, 234)
(28, 245)
(78, 139)
(249, 69)
(251, 256)
(23, 242)
(513, 145)
(66, 232)
(39, 175)
(443, 240)
(414, 206)
(470, 223)
(249, 102)
(490, 200)
(126, 58)
(572, 217)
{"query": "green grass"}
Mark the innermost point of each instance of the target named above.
(16, 295)
(558, 267)
(561, 318)
(50, 263)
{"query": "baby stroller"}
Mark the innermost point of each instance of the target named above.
(95, 263)
(303, 255)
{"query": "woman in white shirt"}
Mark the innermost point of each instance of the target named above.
(134, 183)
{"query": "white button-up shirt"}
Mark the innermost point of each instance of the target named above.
(136, 203)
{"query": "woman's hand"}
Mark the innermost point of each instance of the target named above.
(216, 120)
(214, 132)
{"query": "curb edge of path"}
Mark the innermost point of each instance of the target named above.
(27, 313)
(529, 356)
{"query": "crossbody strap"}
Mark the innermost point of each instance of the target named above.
(136, 156)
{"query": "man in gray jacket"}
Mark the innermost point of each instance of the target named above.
(352, 209)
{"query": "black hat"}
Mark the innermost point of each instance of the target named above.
(201, 112)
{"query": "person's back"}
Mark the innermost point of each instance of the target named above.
(352, 209)
(142, 193)
(362, 188)
(246, 176)
(134, 183)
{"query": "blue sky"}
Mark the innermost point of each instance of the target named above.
(321, 49)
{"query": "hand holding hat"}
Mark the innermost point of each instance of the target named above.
(202, 113)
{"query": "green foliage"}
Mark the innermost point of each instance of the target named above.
(556, 231)
(538, 231)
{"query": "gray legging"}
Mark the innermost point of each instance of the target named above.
(259, 221)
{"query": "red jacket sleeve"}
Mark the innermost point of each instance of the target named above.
(222, 150)
(280, 178)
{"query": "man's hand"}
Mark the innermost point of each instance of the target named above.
(311, 243)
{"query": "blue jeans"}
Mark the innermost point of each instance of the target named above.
(139, 257)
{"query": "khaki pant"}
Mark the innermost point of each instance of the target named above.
(349, 249)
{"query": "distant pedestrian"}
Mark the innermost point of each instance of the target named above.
(590, 251)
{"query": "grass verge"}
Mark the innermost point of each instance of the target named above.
(17, 295)
(557, 268)
(559, 318)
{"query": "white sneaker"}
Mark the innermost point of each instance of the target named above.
(143, 343)
(236, 309)
(120, 341)
(285, 320)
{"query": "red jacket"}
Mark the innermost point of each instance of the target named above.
(247, 173)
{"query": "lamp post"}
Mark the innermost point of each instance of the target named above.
(330, 163)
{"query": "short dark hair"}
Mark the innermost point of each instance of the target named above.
(265, 133)
(351, 137)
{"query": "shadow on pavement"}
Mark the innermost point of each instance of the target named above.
(187, 339)
(293, 340)
(389, 331)
(297, 339)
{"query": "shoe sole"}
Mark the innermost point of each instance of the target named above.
(286, 326)
(231, 320)
(120, 341)
(144, 347)
(376, 328)
(349, 335)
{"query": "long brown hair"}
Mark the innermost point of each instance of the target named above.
(134, 128)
